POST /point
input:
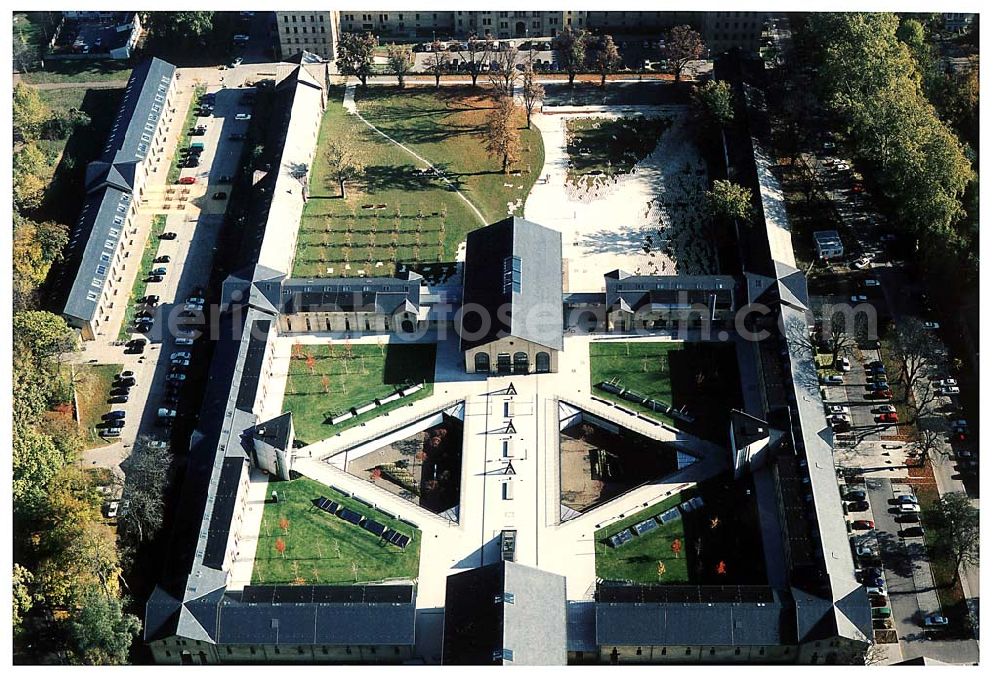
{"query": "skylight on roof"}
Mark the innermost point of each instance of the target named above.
(512, 274)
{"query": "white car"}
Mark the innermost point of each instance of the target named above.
(174, 363)
(180, 355)
(838, 409)
(841, 167)
(884, 409)
(242, 116)
(237, 61)
(933, 326)
(909, 508)
(112, 510)
(946, 382)
(861, 263)
(872, 283)
(950, 390)
(876, 590)
(195, 300)
(859, 299)
(844, 364)
(184, 341)
(193, 307)
(835, 379)
(906, 499)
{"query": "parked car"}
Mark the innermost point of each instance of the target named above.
(183, 341)
(874, 365)
(151, 299)
(950, 390)
(186, 180)
(159, 270)
(118, 399)
(891, 417)
(180, 355)
(881, 613)
(914, 531)
(219, 196)
(863, 525)
(909, 508)
(884, 409)
(110, 509)
(945, 382)
(168, 236)
(834, 379)
(858, 506)
(840, 418)
(963, 454)
(162, 258)
(872, 283)
(933, 326)
(154, 278)
(881, 395)
(855, 495)
(114, 423)
(841, 427)
(859, 299)
(114, 415)
(935, 621)
(904, 518)
(110, 432)
(838, 409)
(861, 263)
(242, 116)
(126, 382)
(196, 300)
(121, 390)
(877, 601)
(876, 591)
(875, 386)
(166, 413)
(844, 364)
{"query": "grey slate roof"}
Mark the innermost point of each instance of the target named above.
(533, 314)
(748, 429)
(274, 432)
(632, 292)
(142, 107)
(505, 607)
(383, 295)
(93, 242)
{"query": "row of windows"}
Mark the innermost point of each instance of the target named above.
(312, 18)
(295, 29)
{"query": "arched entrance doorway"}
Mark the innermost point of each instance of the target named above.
(520, 30)
(503, 363)
(542, 363)
(482, 363)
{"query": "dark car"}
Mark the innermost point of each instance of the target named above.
(855, 495)
(873, 580)
(115, 423)
(144, 327)
(198, 132)
(863, 525)
(135, 348)
(119, 391)
(114, 415)
(192, 162)
(877, 601)
(218, 196)
(908, 518)
(915, 531)
(118, 399)
(841, 427)
(151, 299)
(125, 382)
(857, 506)
(874, 365)
(168, 235)
(162, 258)
(154, 278)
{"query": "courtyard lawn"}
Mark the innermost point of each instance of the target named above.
(92, 383)
(184, 141)
(393, 214)
(322, 549)
(326, 381)
(639, 559)
(601, 148)
(79, 71)
(701, 378)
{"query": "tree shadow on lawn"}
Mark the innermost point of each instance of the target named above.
(409, 363)
(407, 178)
(704, 377)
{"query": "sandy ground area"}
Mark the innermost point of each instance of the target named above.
(647, 221)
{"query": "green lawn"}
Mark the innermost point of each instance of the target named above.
(600, 148)
(423, 218)
(79, 71)
(345, 376)
(639, 559)
(702, 378)
(145, 265)
(323, 549)
(92, 384)
(185, 139)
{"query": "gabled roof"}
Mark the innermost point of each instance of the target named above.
(274, 432)
(748, 429)
(633, 292)
(531, 310)
(383, 295)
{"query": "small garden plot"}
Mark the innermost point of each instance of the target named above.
(598, 464)
(327, 381)
(302, 544)
(600, 149)
(699, 380)
(704, 535)
(425, 467)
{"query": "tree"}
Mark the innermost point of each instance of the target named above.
(102, 632)
(682, 45)
(676, 546)
(954, 522)
(571, 50)
(714, 101)
(356, 54)
(23, 595)
(606, 59)
(30, 113)
(400, 61)
(504, 76)
(29, 187)
(503, 142)
(439, 61)
(729, 200)
(532, 92)
(474, 57)
(179, 31)
(344, 158)
(280, 546)
(919, 351)
(35, 461)
(147, 475)
(47, 334)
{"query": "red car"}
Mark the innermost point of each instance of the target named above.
(863, 525)
(882, 395)
(186, 180)
(891, 417)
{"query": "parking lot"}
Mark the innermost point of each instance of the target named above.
(196, 219)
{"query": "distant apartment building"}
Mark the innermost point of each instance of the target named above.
(309, 31)
(721, 31)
